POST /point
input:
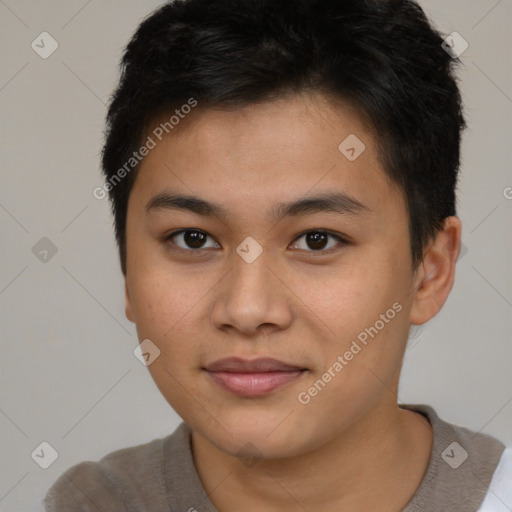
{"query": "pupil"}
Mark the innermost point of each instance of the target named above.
(194, 239)
(316, 240)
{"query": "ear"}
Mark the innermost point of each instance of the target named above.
(435, 275)
(127, 303)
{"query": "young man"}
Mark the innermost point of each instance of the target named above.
(282, 175)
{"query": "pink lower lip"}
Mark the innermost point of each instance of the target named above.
(254, 384)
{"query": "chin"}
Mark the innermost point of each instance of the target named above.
(254, 437)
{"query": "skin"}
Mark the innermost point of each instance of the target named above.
(350, 448)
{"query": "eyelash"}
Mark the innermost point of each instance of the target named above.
(340, 239)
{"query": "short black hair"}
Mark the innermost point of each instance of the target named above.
(382, 56)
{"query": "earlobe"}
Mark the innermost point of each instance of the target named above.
(436, 274)
(128, 305)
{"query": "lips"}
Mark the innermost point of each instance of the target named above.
(252, 378)
(261, 365)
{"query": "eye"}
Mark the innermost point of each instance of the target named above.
(191, 239)
(318, 240)
(315, 240)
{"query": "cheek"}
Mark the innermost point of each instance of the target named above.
(364, 303)
(168, 313)
(343, 300)
(161, 299)
(163, 308)
(171, 310)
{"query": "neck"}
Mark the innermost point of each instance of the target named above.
(375, 465)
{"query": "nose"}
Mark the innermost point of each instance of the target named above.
(252, 299)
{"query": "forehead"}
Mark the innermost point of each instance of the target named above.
(260, 153)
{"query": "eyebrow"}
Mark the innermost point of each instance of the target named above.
(333, 202)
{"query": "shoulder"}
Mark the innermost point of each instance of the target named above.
(461, 469)
(121, 480)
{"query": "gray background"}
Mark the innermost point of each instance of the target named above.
(68, 373)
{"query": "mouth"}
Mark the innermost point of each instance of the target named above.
(253, 378)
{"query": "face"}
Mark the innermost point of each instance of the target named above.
(291, 250)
